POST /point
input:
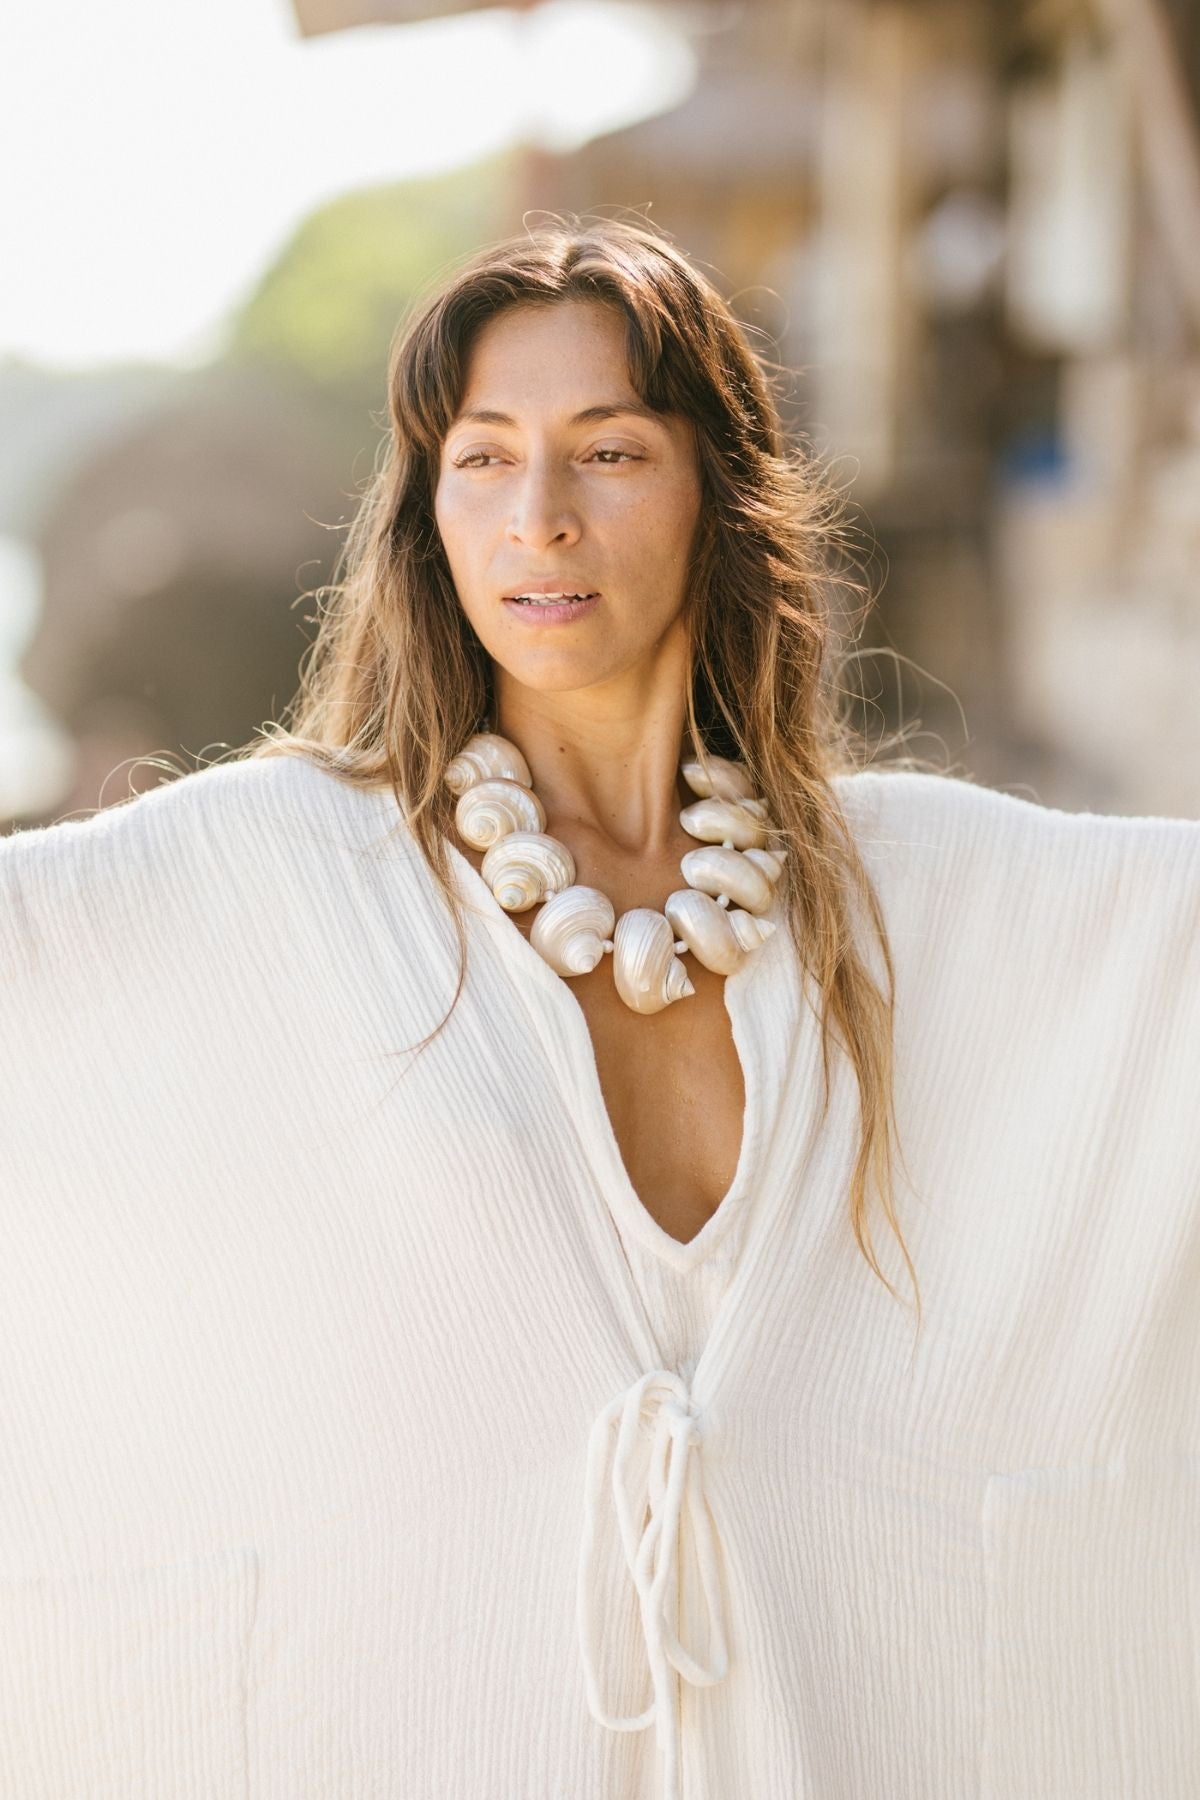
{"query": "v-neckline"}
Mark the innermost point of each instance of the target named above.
(626, 1205)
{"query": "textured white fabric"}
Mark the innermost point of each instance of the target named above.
(364, 1436)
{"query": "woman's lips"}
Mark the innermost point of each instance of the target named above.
(552, 612)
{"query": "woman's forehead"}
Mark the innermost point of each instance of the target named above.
(562, 365)
(539, 349)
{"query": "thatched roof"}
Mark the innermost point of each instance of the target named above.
(317, 16)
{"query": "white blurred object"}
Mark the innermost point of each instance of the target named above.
(37, 757)
(584, 67)
(1071, 205)
(957, 252)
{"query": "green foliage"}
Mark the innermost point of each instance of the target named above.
(327, 309)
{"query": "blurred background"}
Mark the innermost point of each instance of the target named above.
(971, 227)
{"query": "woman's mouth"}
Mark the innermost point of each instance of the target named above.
(549, 599)
(552, 609)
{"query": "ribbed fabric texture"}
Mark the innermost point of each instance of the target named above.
(363, 1435)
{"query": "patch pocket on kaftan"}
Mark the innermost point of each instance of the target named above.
(1092, 1641)
(128, 1684)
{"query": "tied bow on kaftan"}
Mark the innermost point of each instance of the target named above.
(658, 1406)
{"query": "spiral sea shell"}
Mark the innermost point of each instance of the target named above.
(491, 809)
(574, 929)
(525, 867)
(724, 781)
(485, 757)
(646, 970)
(713, 935)
(749, 930)
(769, 861)
(724, 822)
(715, 870)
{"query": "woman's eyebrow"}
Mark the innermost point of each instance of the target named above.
(589, 416)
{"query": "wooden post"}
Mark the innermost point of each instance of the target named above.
(863, 311)
(1167, 132)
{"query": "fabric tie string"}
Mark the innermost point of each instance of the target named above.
(659, 1406)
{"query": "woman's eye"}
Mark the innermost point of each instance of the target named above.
(479, 459)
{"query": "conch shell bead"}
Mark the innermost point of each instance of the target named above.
(724, 781)
(711, 934)
(574, 929)
(769, 861)
(717, 871)
(728, 822)
(486, 757)
(491, 809)
(646, 970)
(749, 930)
(526, 867)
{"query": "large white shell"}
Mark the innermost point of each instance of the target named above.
(706, 930)
(574, 929)
(769, 861)
(486, 757)
(491, 809)
(525, 867)
(749, 931)
(725, 780)
(715, 870)
(646, 970)
(723, 822)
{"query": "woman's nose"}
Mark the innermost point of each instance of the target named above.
(542, 513)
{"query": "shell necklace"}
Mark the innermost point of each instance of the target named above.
(499, 813)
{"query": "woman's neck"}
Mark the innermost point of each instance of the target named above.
(607, 762)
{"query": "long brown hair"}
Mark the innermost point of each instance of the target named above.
(396, 679)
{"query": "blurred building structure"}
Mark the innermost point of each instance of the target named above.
(973, 230)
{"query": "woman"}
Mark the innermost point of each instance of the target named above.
(447, 1354)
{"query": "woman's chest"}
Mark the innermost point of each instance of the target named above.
(671, 1085)
(673, 1089)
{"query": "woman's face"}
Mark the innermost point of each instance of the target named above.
(553, 472)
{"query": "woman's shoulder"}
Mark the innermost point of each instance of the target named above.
(991, 864)
(199, 843)
(894, 808)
